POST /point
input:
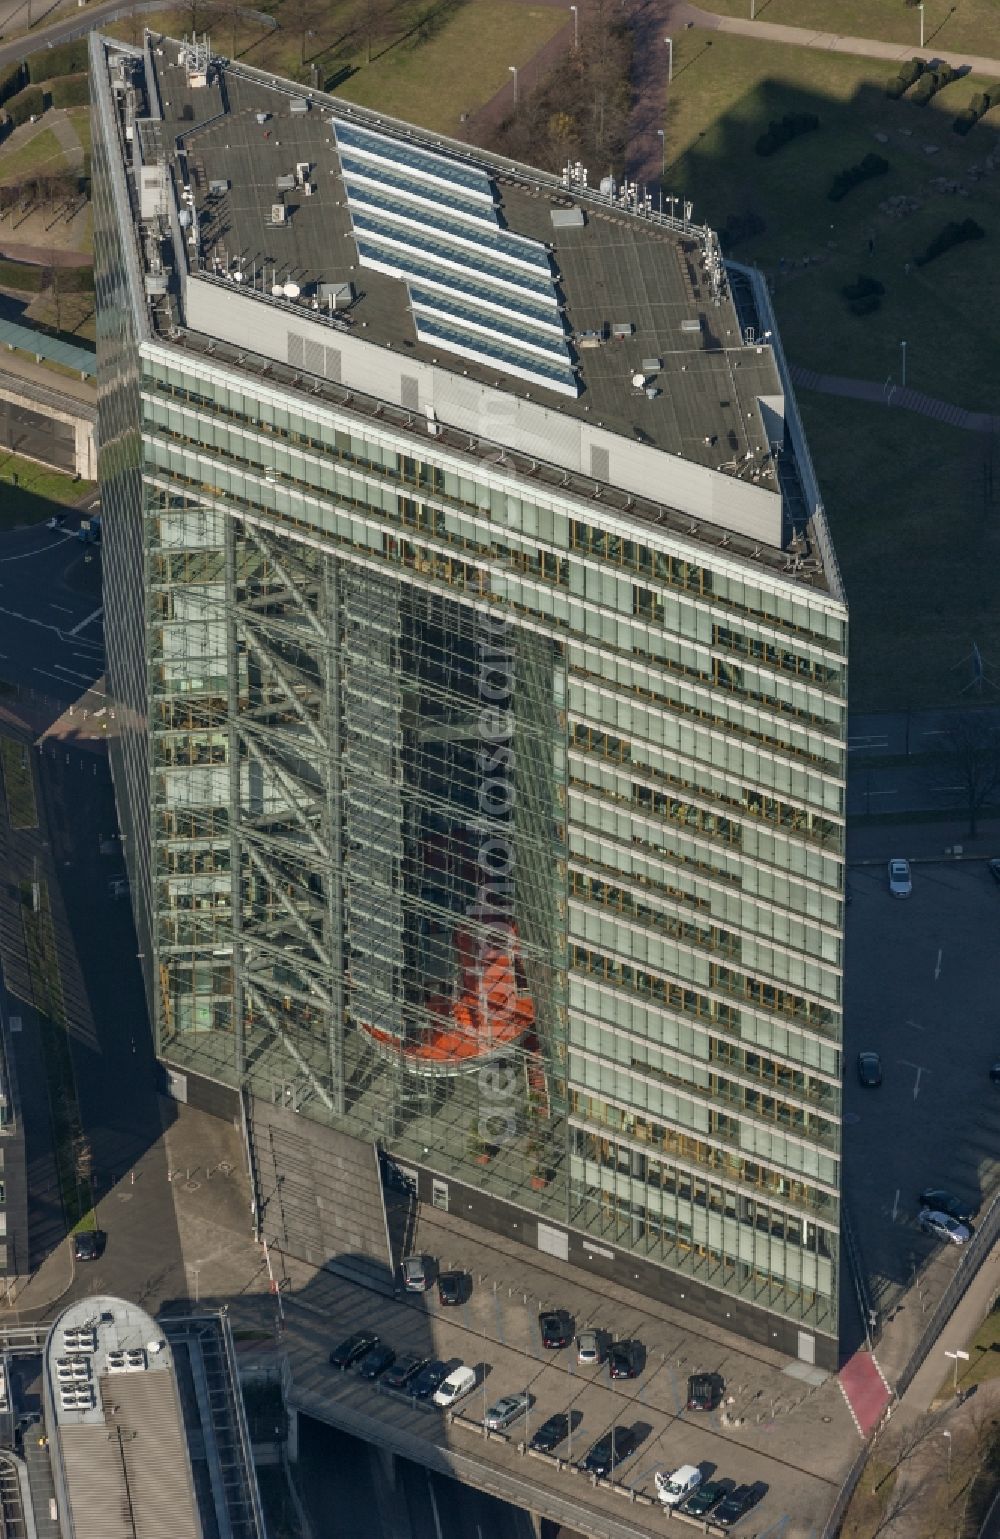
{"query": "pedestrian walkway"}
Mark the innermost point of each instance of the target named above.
(906, 400)
(829, 42)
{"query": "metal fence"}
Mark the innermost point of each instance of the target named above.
(973, 1256)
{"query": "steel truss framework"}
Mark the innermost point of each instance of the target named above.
(319, 811)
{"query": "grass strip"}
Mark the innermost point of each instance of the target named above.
(70, 1145)
(18, 784)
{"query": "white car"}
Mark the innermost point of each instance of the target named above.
(678, 1486)
(944, 1226)
(458, 1384)
(900, 884)
(589, 1348)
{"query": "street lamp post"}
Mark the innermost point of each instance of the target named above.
(670, 59)
(513, 70)
(948, 1436)
(663, 153)
(576, 27)
(957, 1356)
(902, 345)
(920, 8)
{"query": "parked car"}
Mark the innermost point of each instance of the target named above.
(507, 1410)
(704, 1498)
(625, 1360)
(556, 1328)
(736, 1505)
(995, 1074)
(943, 1202)
(590, 1348)
(416, 1274)
(56, 522)
(869, 1070)
(89, 1245)
(943, 1226)
(375, 1362)
(610, 1451)
(453, 1287)
(353, 1348)
(680, 1483)
(900, 881)
(404, 1371)
(452, 1389)
(704, 1391)
(428, 1380)
(551, 1433)
(995, 870)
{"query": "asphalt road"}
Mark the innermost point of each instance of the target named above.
(920, 786)
(50, 612)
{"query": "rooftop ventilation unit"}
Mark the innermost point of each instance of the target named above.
(690, 326)
(298, 105)
(279, 214)
(285, 183)
(567, 218)
(621, 329)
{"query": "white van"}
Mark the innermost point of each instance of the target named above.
(458, 1384)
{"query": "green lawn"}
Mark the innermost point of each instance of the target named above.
(918, 545)
(984, 1358)
(726, 90)
(966, 25)
(38, 494)
(37, 150)
(434, 83)
(432, 61)
(19, 787)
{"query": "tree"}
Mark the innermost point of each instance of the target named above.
(975, 761)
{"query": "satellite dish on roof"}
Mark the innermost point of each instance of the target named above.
(291, 291)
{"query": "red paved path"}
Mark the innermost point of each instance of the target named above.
(865, 1391)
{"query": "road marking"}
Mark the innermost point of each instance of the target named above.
(434, 1505)
(916, 1084)
(915, 1024)
(65, 608)
(937, 967)
(74, 673)
(895, 1205)
(867, 742)
(57, 676)
(85, 657)
(496, 1300)
(38, 551)
(84, 623)
(880, 793)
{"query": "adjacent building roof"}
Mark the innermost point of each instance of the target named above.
(117, 1437)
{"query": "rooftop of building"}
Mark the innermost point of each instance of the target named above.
(589, 304)
(677, 330)
(117, 1432)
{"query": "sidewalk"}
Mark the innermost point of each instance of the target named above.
(965, 1320)
(828, 42)
(907, 400)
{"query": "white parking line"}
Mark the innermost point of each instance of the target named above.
(84, 623)
(937, 967)
(64, 607)
(916, 1025)
(895, 1205)
(434, 1505)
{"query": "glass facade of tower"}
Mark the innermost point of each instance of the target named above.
(474, 818)
(488, 825)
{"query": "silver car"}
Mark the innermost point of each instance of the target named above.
(944, 1226)
(507, 1410)
(589, 1350)
(416, 1275)
(900, 882)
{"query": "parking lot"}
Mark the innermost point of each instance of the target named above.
(793, 1436)
(922, 992)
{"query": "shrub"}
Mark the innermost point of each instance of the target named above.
(977, 108)
(741, 227)
(27, 103)
(49, 63)
(70, 91)
(952, 235)
(853, 176)
(908, 75)
(11, 81)
(863, 288)
(781, 133)
(930, 83)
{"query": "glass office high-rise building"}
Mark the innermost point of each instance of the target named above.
(480, 663)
